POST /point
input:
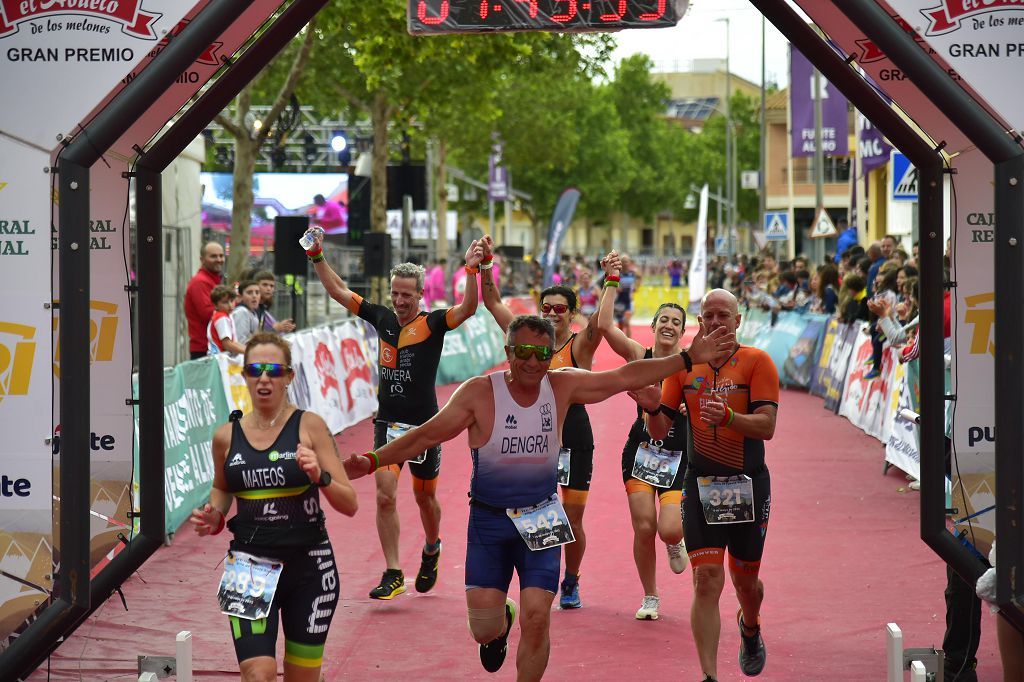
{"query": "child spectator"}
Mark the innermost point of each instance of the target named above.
(850, 297)
(220, 330)
(244, 315)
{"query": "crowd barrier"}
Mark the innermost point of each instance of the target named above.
(335, 376)
(831, 359)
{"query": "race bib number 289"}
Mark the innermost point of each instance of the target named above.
(248, 585)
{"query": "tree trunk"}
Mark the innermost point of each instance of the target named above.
(379, 207)
(241, 207)
(440, 186)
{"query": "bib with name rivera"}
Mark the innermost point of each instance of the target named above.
(518, 466)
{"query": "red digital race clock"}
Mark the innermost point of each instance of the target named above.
(483, 16)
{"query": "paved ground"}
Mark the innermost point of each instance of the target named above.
(843, 558)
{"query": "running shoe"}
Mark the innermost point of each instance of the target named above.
(570, 598)
(872, 375)
(392, 584)
(752, 652)
(427, 576)
(649, 608)
(492, 654)
(677, 559)
(708, 678)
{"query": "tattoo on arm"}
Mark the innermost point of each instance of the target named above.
(590, 333)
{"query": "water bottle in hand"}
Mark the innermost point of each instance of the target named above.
(309, 237)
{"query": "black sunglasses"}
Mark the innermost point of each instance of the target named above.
(524, 351)
(274, 370)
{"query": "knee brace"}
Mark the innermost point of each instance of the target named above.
(486, 625)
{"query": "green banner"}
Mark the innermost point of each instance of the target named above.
(472, 349)
(194, 406)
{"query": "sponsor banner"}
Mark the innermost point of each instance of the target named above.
(838, 362)
(817, 385)
(902, 448)
(834, 114)
(520, 305)
(697, 278)
(865, 402)
(471, 349)
(26, 391)
(799, 365)
(981, 40)
(359, 372)
(194, 407)
(62, 57)
(872, 149)
(560, 221)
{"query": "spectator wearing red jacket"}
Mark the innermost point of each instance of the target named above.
(198, 306)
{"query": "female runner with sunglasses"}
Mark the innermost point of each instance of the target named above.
(651, 468)
(280, 568)
(572, 349)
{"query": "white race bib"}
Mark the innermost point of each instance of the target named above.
(727, 499)
(656, 466)
(543, 525)
(396, 430)
(248, 585)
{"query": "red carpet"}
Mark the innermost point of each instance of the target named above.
(843, 558)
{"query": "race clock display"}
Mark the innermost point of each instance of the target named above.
(483, 16)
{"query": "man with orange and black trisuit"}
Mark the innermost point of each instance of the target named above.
(732, 408)
(410, 350)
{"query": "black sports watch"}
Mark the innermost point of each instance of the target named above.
(325, 479)
(687, 360)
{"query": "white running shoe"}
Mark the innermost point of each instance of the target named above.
(677, 558)
(649, 609)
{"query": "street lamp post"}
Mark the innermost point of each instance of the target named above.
(730, 149)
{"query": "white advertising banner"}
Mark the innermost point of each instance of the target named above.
(422, 225)
(697, 278)
(62, 57)
(982, 39)
(235, 390)
(360, 372)
(26, 392)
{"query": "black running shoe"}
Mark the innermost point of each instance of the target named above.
(492, 654)
(752, 652)
(392, 584)
(427, 576)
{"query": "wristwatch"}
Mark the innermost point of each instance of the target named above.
(325, 479)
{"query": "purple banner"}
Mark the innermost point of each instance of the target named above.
(497, 175)
(834, 116)
(872, 148)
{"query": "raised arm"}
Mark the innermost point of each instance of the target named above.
(333, 283)
(454, 418)
(624, 346)
(593, 387)
(492, 297)
(466, 309)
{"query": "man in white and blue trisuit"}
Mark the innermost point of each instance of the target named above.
(516, 521)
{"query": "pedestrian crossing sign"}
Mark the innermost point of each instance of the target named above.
(823, 226)
(776, 226)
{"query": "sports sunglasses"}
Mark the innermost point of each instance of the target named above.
(524, 351)
(559, 308)
(274, 370)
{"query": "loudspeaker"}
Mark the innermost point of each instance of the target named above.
(411, 180)
(289, 258)
(360, 193)
(377, 254)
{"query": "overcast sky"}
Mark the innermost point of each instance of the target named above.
(701, 36)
